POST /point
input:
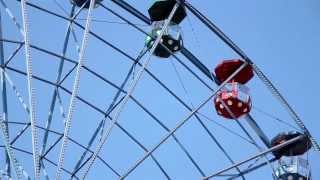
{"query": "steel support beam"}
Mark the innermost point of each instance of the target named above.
(31, 90)
(254, 125)
(4, 106)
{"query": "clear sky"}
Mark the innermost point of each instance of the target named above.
(281, 37)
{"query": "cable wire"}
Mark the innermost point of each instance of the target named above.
(274, 117)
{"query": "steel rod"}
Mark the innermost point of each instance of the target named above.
(256, 156)
(246, 171)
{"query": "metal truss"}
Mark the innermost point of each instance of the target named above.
(121, 97)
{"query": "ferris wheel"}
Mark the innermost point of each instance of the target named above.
(80, 102)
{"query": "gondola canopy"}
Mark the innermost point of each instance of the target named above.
(160, 10)
(295, 149)
(227, 67)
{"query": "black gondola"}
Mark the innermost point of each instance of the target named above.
(160, 10)
(295, 149)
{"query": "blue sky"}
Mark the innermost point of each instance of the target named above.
(281, 37)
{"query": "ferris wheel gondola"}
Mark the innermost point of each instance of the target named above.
(233, 101)
(171, 41)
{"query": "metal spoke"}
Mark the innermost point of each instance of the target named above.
(74, 91)
(4, 107)
(10, 153)
(20, 133)
(31, 91)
